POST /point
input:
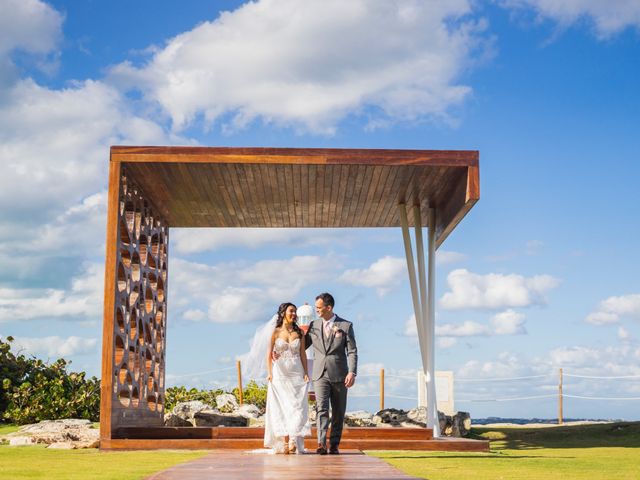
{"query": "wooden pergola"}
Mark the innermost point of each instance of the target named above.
(152, 189)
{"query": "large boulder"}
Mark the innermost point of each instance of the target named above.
(213, 418)
(359, 418)
(226, 402)
(67, 433)
(185, 411)
(390, 416)
(173, 420)
(248, 410)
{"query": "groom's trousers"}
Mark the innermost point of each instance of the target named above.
(334, 393)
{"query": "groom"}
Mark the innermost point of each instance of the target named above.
(335, 366)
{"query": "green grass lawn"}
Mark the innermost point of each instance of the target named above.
(603, 452)
(38, 462)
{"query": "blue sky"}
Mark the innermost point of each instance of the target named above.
(542, 273)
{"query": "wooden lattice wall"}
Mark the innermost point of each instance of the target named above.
(139, 313)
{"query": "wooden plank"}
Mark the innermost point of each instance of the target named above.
(110, 276)
(319, 156)
(228, 465)
(349, 433)
(436, 444)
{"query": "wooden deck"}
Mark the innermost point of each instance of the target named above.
(232, 465)
(250, 438)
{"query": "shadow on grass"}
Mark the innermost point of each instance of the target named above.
(623, 434)
(487, 456)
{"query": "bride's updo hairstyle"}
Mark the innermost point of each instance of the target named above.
(282, 310)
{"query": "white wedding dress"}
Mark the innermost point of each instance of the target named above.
(287, 407)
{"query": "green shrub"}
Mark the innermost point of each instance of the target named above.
(33, 390)
(175, 395)
(253, 393)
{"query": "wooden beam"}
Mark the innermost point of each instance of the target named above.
(464, 195)
(106, 383)
(319, 156)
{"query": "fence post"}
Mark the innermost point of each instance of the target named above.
(382, 389)
(239, 382)
(560, 399)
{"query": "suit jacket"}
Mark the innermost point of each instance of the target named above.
(334, 356)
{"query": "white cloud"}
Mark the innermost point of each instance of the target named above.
(194, 315)
(444, 257)
(241, 291)
(27, 25)
(623, 334)
(508, 322)
(494, 291)
(608, 17)
(237, 305)
(83, 299)
(383, 275)
(309, 64)
(55, 346)
(506, 365)
(465, 329)
(611, 309)
(188, 241)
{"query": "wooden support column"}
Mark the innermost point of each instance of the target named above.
(110, 272)
(432, 404)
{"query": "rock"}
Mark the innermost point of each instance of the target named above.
(248, 410)
(77, 433)
(213, 418)
(359, 418)
(391, 416)
(187, 410)
(226, 402)
(173, 420)
(461, 424)
(256, 422)
(62, 445)
(418, 416)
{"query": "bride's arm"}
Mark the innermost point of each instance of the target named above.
(303, 359)
(269, 357)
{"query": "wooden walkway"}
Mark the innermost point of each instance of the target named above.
(237, 465)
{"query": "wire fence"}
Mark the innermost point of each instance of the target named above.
(465, 385)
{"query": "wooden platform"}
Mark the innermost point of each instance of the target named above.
(234, 465)
(250, 438)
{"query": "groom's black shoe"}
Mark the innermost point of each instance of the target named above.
(333, 450)
(322, 450)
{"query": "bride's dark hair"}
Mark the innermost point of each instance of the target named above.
(282, 310)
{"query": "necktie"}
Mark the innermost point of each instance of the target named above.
(327, 329)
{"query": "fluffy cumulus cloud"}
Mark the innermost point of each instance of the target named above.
(383, 274)
(608, 17)
(309, 64)
(189, 241)
(611, 309)
(242, 291)
(54, 150)
(29, 26)
(55, 346)
(495, 291)
(82, 300)
(508, 322)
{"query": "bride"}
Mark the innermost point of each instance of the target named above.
(286, 417)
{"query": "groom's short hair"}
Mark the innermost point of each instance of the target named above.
(327, 299)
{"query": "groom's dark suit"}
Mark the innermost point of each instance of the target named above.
(334, 356)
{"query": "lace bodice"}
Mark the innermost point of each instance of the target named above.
(287, 349)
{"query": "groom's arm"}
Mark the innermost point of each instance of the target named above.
(352, 351)
(307, 337)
